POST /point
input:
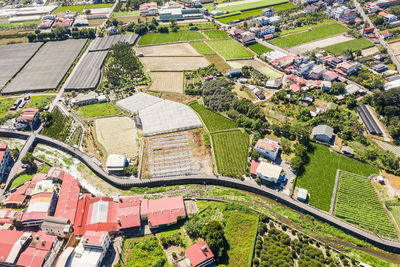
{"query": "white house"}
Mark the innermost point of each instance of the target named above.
(322, 133)
(269, 172)
(116, 163)
(268, 147)
(302, 194)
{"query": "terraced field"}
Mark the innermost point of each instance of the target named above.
(358, 203)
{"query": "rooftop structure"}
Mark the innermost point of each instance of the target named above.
(200, 254)
(268, 172)
(116, 163)
(323, 133)
(302, 194)
(369, 120)
(11, 244)
(6, 216)
(38, 251)
(268, 147)
(164, 211)
(5, 161)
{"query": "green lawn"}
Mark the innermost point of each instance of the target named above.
(240, 230)
(5, 105)
(308, 36)
(229, 49)
(216, 34)
(21, 179)
(358, 203)
(40, 102)
(251, 5)
(142, 251)
(125, 14)
(59, 126)
(80, 8)
(213, 121)
(259, 49)
(306, 27)
(320, 173)
(339, 49)
(98, 110)
(160, 38)
(231, 151)
(252, 13)
(202, 48)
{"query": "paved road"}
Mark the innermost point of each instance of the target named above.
(376, 31)
(246, 185)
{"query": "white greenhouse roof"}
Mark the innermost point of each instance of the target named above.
(137, 102)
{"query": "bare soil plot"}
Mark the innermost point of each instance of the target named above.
(219, 62)
(167, 81)
(177, 50)
(320, 43)
(174, 63)
(178, 97)
(395, 46)
(260, 66)
(369, 51)
(15, 40)
(118, 135)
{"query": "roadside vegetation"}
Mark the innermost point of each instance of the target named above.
(251, 5)
(358, 203)
(80, 8)
(21, 179)
(58, 125)
(39, 102)
(5, 105)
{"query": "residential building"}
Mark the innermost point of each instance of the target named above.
(7, 216)
(176, 11)
(352, 89)
(349, 67)
(40, 250)
(12, 243)
(310, 9)
(268, 172)
(326, 86)
(267, 12)
(148, 9)
(390, 18)
(116, 163)
(316, 73)
(295, 88)
(307, 100)
(274, 83)
(85, 99)
(216, 13)
(233, 73)
(162, 212)
(392, 84)
(5, 161)
(268, 147)
(305, 68)
(200, 255)
(29, 118)
(302, 194)
(322, 133)
(248, 38)
(332, 61)
(264, 30)
(330, 76)
(91, 250)
(56, 226)
(380, 68)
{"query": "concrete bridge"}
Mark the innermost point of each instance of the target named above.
(126, 182)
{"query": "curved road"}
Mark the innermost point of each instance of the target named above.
(124, 182)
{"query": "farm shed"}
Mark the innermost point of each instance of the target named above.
(302, 194)
(13, 58)
(322, 133)
(47, 67)
(88, 72)
(369, 120)
(105, 43)
(116, 163)
(160, 116)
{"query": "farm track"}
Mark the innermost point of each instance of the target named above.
(389, 245)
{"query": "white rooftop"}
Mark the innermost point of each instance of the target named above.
(138, 102)
(116, 162)
(269, 170)
(302, 193)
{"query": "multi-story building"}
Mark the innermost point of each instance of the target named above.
(5, 161)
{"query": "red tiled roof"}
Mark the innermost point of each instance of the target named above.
(94, 238)
(254, 166)
(264, 144)
(7, 241)
(3, 146)
(33, 216)
(165, 210)
(16, 199)
(32, 257)
(295, 88)
(6, 216)
(45, 241)
(332, 75)
(81, 215)
(199, 253)
(68, 197)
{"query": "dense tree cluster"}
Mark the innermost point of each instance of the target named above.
(368, 80)
(123, 68)
(61, 33)
(171, 240)
(213, 234)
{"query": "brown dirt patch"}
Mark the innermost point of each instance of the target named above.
(90, 144)
(201, 152)
(184, 49)
(128, 19)
(167, 81)
(369, 51)
(17, 40)
(174, 63)
(180, 98)
(219, 62)
(395, 46)
(95, 22)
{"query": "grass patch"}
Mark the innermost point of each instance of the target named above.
(212, 120)
(306, 27)
(308, 36)
(80, 8)
(229, 49)
(59, 126)
(125, 13)
(231, 151)
(216, 34)
(251, 5)
(358, 203)
(252, 13)
(160, 38)
(259, 49)
(21, 179)
(320, 173)
(339, 49)
(98, 110)
(40, 102)
(142, 251)
(202, 48)
(20, 25)
(5, 105)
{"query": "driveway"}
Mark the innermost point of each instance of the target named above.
(289, 175)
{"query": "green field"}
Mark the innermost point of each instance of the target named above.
(308, 36)
(20, 25)
(252, 13)
(5, 105)
(339, 49)
(358, 203)
(240, 229)
(21, 179)
(125, 13)
(320, 173)
(216, 34)
(252, 5)
(229, 49)
(98, 110)
(142, 251)
(213, 121)
(40, 102)
(160, 38)
(259, 49)
(307, 27)
(202, 48)
(231, 151)
(80, 8)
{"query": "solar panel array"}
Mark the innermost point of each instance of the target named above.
(87, 73)
(13, 57)
(105, 43)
